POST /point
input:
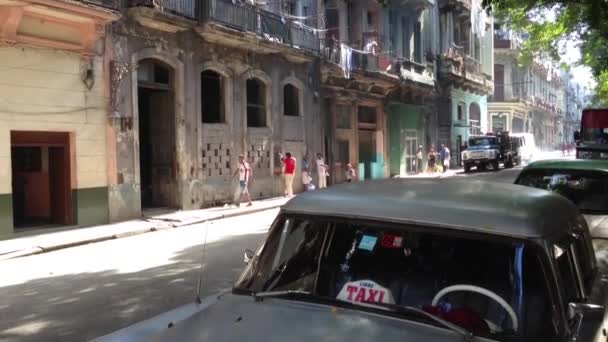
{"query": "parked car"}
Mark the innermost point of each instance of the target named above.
(490, 149)
(583, 181)
(528, 149)
(415, 260)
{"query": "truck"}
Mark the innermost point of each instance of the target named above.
(491, 149)
(592, 139)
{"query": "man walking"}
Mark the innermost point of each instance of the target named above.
(244, 172)
(444, 155)
(290, 169)
(322, 171)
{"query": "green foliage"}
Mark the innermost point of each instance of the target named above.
(583, 20)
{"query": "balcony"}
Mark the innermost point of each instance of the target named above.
(65, 25)
(458, 67)
(455, 5)
(235, 16)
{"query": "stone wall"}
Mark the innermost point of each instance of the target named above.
(207, 152)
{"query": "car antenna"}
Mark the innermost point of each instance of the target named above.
(200, 275)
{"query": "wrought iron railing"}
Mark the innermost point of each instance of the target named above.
(245, 17)
(109, 4)
(472, 65)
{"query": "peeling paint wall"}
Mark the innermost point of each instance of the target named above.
(207, 152)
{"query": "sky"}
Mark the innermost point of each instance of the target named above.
(580, 74)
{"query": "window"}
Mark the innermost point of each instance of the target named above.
(477, 48)
(256, 103)
(341, 260)
(212, 97)
(461, 109)
(343, 117)
(475, 119)
(291, 100)
(370, 19)
(418, 42)
(367, 115)
(343, 152)
(405, 31)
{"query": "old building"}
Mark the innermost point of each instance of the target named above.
(465, 72)
(53, 110)
(526, 98)
(378, 77)
(576, 99)
(198, 83)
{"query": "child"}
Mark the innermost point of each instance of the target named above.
(350, 173)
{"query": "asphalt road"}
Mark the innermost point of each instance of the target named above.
(80, 293)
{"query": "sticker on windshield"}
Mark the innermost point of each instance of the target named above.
(368, 242)
(391, 241)
(365, 292)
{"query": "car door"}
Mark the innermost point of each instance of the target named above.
(581, 286)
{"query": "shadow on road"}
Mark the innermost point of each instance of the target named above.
(83, 306)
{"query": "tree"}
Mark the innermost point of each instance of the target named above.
(578, 20)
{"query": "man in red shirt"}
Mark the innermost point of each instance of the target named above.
(290, 169)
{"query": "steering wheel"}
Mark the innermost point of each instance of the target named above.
(472, 288)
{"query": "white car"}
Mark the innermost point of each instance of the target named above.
(528, 150)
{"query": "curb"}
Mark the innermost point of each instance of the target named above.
(39, 249)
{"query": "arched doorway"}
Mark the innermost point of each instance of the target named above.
(155, 90)
(474, 119)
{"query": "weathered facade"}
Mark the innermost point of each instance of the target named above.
(529, 98)
(378, 78)
(465, 72)
(199, 83)
(53, 110)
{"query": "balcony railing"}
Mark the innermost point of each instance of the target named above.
(245, 17)
(109, 4)
(471, 65)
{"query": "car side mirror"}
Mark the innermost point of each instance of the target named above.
(589, 311)
(247, 256)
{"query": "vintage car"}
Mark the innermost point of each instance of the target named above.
(583, 181)
(407, 260)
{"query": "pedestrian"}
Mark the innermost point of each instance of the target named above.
(290, 169)
(432, 160)
(322, 171)
(244, 172)
(306, 173)
(350, 173)
(419, 160)
(444, 155)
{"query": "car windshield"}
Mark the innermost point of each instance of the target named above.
(482, 141)
(587, 189)
(354, 263)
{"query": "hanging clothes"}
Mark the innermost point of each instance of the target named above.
(346, 58)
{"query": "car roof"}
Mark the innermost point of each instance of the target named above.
(464, 205)
(569, 164)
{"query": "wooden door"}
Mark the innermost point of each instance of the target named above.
(162, 148)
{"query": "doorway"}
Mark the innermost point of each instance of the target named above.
(367, 153)
(409, 151)
(156, 134)
(41, 186)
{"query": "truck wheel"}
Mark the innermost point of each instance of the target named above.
(467, 168)
(495, 165)
(509, 163)
(481, 167)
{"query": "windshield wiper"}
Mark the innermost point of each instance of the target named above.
(258, 296)
(467, 335)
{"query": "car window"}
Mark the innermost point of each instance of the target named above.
(482, 142)
(361, 264)
(566, 256)
(587, 189)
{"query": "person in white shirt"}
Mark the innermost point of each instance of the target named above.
(322, 171)
(244, 172)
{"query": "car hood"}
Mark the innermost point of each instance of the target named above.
(598, 226)
(240, 318)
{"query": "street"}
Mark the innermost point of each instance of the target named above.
(80, 293)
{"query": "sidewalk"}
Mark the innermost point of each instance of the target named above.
(40, 241)
(446, 174)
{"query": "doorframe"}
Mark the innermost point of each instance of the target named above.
(66, 140)
(177, 67)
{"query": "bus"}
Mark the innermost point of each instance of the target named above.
(592, 139)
